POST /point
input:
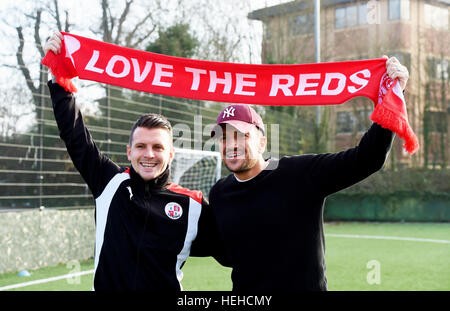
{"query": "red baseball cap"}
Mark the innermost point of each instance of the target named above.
(242, 117)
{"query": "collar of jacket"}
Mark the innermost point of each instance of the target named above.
(155, 184)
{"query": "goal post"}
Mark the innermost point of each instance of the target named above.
(196, 169)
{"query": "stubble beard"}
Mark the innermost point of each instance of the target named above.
(247, 165)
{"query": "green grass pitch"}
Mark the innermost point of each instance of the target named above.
(353, 264)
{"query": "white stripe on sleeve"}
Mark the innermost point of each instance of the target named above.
(102, 204)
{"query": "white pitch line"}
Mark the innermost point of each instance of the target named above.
(377, 237)
(56, 278)
(353, 236)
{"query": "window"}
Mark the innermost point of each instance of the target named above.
(344, 122)
(442, 69)
(350, 16)
(362, 14)
(348, 122)
(437, 121)
(339, 18)
(399, 9)
(302, 24)
(266, 31)
(438, 68)
(435, 16)
(394, 9)
(403, 58)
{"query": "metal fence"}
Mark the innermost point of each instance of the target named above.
(35, 169)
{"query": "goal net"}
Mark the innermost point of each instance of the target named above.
(196, 169)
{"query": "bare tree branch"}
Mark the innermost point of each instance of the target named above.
(67, 24)
(57, 17)
(29, 16)
(37, 37)
(112, 23)
(10, 66)
(20, 61)
(132, 33)
(142, 38)
(122, 19)
(105, 24)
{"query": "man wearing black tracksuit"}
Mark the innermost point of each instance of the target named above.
(144, 229)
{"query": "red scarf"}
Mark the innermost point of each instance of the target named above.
(306, 84)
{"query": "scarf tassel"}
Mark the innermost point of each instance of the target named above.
(62, 68)
(391, 120)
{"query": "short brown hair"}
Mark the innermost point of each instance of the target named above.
(151, 121)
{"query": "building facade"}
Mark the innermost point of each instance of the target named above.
(414, 31)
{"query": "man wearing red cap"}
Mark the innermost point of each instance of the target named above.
(270, 213)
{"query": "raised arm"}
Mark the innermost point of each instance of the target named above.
(332, 172)
(95, 168)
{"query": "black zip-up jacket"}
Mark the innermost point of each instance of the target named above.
(144, 230)
(272, 224)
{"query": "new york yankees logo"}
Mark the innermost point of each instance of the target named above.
(229, 112)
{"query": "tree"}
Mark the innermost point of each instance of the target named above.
(36, 19)
(215, 28)
(175, 41)
(116, 25)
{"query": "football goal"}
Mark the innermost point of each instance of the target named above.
(196, 169)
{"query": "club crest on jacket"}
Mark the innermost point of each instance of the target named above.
(173, 210)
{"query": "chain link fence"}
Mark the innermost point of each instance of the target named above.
(35, 169)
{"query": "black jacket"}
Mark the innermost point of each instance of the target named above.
(272, 225)
(138, 246)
